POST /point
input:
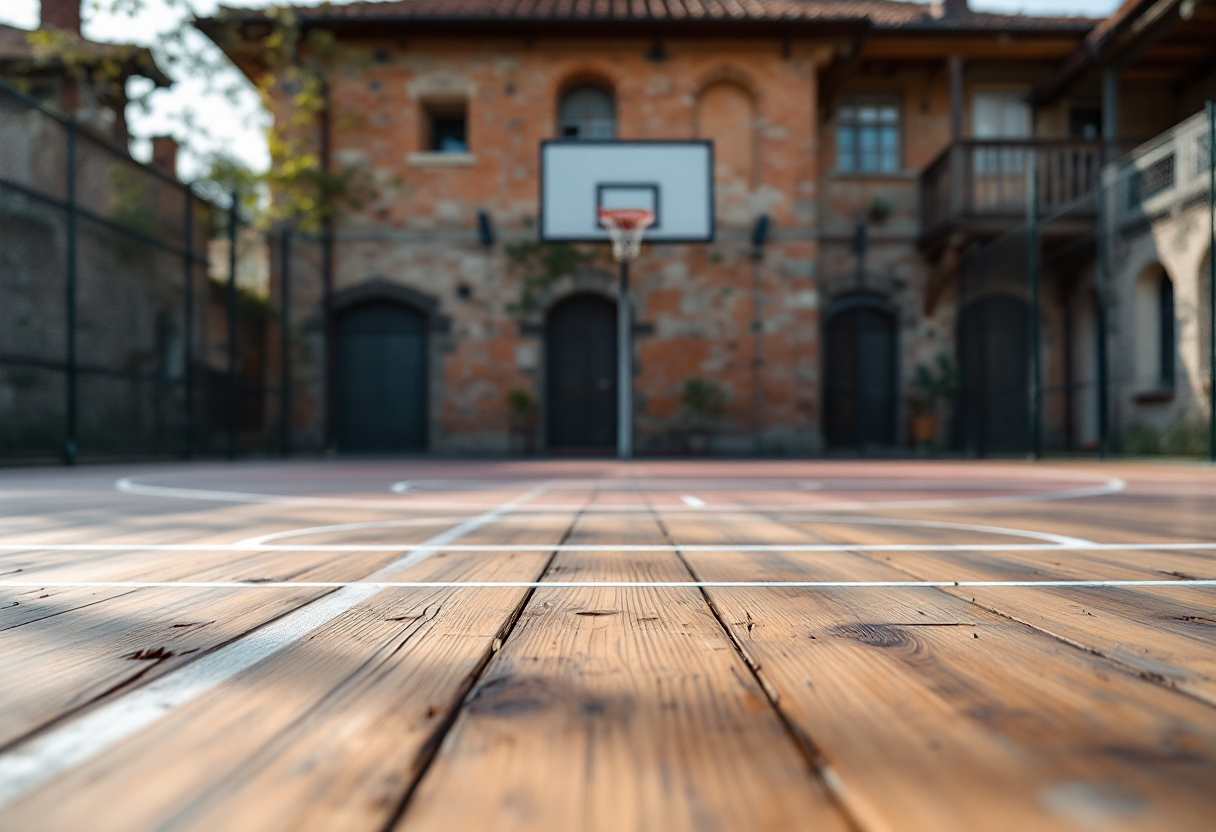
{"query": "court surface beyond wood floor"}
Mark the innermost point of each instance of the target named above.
(587, 645)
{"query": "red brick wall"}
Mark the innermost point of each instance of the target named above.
(696, 302)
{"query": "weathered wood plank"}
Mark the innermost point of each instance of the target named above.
(936, 714)
(63, 663)
(619, 709)
(1167, 634)
(327, 734)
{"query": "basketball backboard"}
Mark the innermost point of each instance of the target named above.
(674, 179)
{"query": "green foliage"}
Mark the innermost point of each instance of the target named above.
(249, 304)
(297, 187)
(880, 209)
(104, 69)
(934, 385)
(1183, 438)
(540, 265)
(703, 400)
(1140, 440)
(131, 202)
(521, 402)
(225, 176)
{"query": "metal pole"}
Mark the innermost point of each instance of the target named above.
(231, 301)
(757, 359)
(1211, 111)
(327, 284)
(188, 328)
(624, 367)
(1032, 267)
(285, 346)
(1104, 235)
(69, 445)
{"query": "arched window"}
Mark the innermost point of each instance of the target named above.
(1156, 330)
(1205, 317)
(587, 112)
(1165, 293)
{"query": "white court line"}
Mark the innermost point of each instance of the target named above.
(48, 755)
(1112, 485)
(659, 547)
(695, 502)
(1064, 540)
(261, 543)
(378, 585)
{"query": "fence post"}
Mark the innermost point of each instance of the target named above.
(1211, 112)
(285, 346)
(188, 328)
(69, 445)
(1032, 267)
(233, 216)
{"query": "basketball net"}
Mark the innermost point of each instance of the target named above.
(626, 227)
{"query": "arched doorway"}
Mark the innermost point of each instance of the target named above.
(994, 364)
(380, 367)
(860, 373)
(580, 373)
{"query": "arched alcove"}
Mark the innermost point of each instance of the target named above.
(1155, 330)
(726, 114)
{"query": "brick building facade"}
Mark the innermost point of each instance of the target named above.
(826, 117)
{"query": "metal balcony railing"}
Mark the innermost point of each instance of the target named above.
(1167, 171)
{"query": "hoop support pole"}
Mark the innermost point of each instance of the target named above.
(624, 367)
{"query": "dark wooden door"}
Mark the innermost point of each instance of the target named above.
(381, 400)
(994, 359)
(580, 348)
(860, 380)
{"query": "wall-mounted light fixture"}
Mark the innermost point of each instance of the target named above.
(485, 230)
(759, 235)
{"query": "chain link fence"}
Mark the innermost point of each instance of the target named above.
(138, 320)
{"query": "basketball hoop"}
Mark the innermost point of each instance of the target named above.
(626, 227)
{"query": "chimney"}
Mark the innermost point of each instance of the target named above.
(61, 14)
(164, 154)
(952, 8)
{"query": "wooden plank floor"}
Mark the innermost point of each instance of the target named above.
(569, 645)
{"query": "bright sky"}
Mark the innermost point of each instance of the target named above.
(238, 126)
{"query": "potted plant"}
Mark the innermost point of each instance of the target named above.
(880, 209)
(932, 386)
(703, 403)
(522, 405)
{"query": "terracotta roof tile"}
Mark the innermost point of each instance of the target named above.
(883, 14)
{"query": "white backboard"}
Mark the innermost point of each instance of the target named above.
(672, 179)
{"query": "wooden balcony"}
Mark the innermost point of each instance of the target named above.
(979, 187)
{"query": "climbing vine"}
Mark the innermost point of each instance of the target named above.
(540, 264)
